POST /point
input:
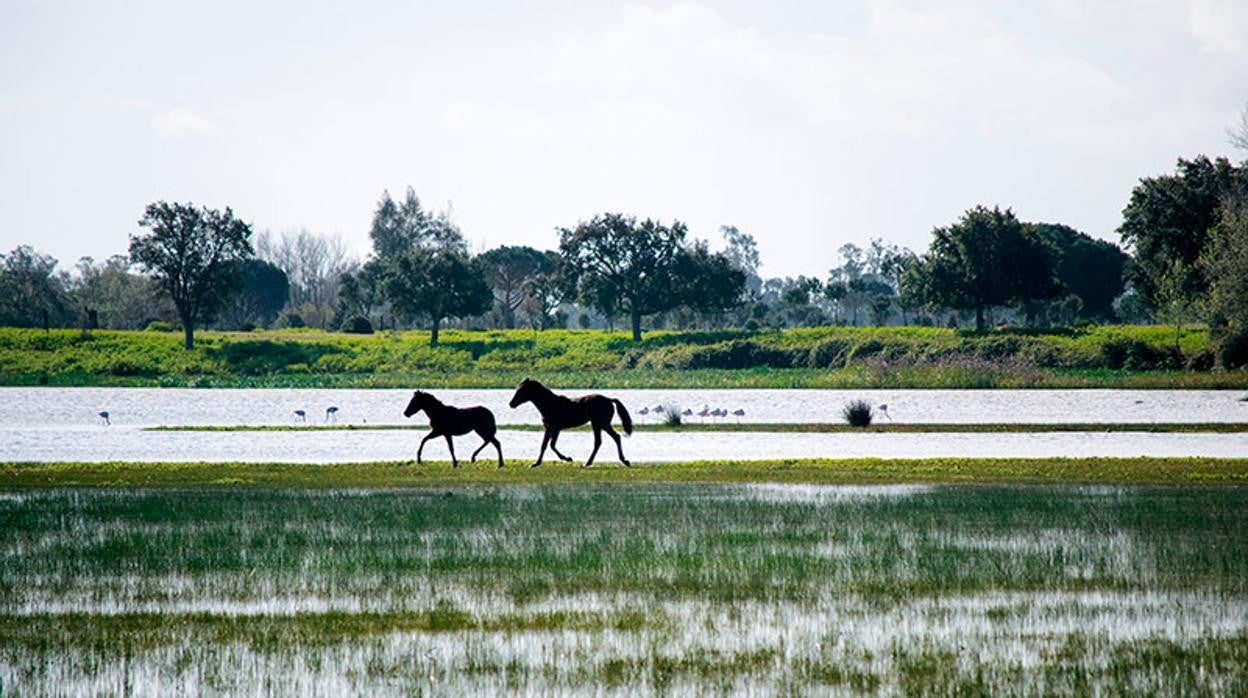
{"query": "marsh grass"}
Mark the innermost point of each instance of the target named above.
(646, 589)
(672, 418)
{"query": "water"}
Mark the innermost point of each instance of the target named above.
(54, 424)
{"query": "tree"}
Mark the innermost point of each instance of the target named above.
(1226, 265)
(436, 284)
(742, 250)
(987, 258)
(614, 256)
(708, 282)
(313, 265)
(508, 270)
(1168, 220)
(263, 292)
(120, 298)
(1238, 134)
(32, 294)
(399, 227)
(1090, 269)
(192, 253)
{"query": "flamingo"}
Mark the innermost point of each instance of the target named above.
(643, 412)
(687, 413)
(719, 412)
(104, 418)
(706, 411)
(738, 413)
(303, 416)
(659, 409)
(331, 413)
(884, 411)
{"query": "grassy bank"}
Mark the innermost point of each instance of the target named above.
(815, 471)
(831, 357)
(698, 427)
(650, 589)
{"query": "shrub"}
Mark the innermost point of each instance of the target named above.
(1137, 355)
(357, 325)
(292, 320)
(829, 353)
(671, 415)
(159, 326)
(858, 413)
(1233, 350)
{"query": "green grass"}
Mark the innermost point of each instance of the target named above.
(876, 428)
(1210, 471)
(830, 357)
(639, 589)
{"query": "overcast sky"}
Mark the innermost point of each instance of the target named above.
(806, 124)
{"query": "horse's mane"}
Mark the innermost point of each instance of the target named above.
(430, 398)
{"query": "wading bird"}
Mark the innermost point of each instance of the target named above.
(738, 413)
(331, 413)
(303, 416)
(104, 418)
(884, 411)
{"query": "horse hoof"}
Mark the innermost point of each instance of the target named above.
(627, 464)
(535, 465)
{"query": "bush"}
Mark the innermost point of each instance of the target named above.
(159, 326)
(1233, 350)
(829, 353)
(292, 320)
(1137, 355)
(671, 415)
(357, 325)
(858, 413)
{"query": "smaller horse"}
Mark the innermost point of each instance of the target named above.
(449, 421)
(559, 413)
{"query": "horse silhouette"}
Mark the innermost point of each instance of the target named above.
(559, 413)
(447, 421)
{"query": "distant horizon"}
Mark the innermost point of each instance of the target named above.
(807, 126)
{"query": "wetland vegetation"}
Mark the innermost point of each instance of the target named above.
(639, 588)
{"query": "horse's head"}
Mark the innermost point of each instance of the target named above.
(419, 400)
(524, 392)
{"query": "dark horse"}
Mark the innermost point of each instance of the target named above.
(559, 413)
(452, 421)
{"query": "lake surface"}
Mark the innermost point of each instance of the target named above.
(52, 424)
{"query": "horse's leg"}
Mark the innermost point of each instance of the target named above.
(618, 446)
(499, 448)
(484, 443)
(541, 454)
(553, 439)
(451, 445)
(597, 443)
(422, 445)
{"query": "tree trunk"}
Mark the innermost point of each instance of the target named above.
(433, 333)
(636, 325)
(188, 333)
(979, 318)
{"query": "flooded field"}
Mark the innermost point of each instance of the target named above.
(627, 589)
(53, 424)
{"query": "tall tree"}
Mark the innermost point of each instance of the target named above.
(1166, 225)
(1090, 269)
(706, 282)
(742, 250)
(987, 258)
(263, 291)
(32, 294)
(436, 284)
(399, 227)
(613, 255)
(192, 253)
(1225, 263)
(508, 270)
(313, 265)
(120, 298)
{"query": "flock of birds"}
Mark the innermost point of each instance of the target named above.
(331, 414)
(716, 413)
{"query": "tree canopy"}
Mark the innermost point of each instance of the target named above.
(192, 252)
(1088, 268)
(987, 258)
(508, 270)
(435, 284)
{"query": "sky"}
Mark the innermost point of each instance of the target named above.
(807, 125)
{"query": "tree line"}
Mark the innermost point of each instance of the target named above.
(194, 267)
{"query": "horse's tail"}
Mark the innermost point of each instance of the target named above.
(626, 420)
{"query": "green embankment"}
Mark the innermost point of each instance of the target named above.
(840, 471)
(828, 357)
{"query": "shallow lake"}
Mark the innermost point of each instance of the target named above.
(53, 424)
